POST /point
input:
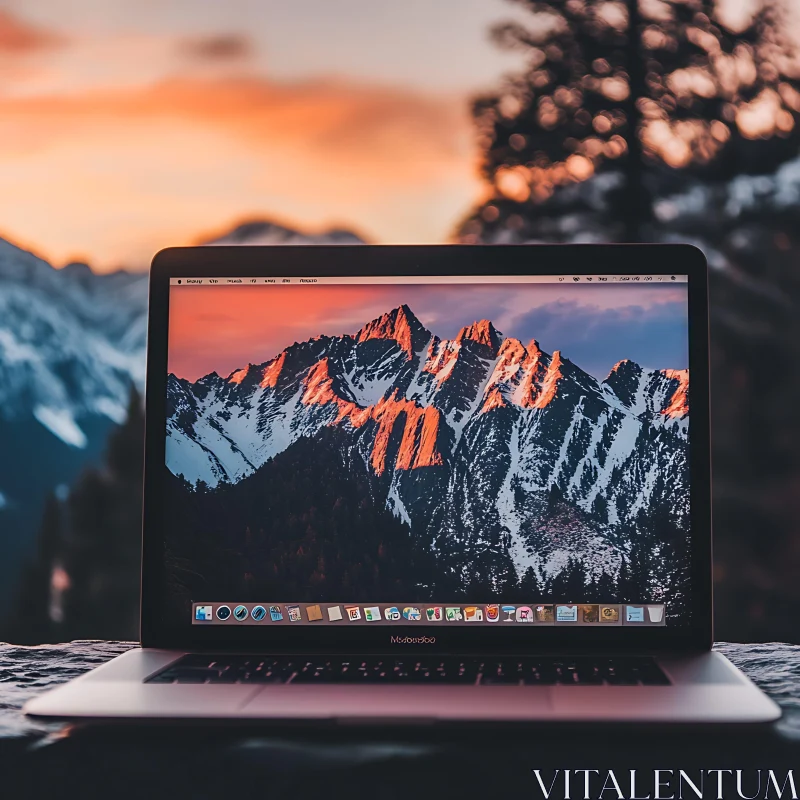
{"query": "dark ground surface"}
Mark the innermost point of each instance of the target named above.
(197, 761)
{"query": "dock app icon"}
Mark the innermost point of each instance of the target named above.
(566, 613)
(609, 614)
(314, 613)
(524, 614)
(634, 614)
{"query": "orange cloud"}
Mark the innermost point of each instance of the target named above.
(17, 36)
(341, 117)
(217, 48)
(122, 173)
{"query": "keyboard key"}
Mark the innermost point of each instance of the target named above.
(219, 669)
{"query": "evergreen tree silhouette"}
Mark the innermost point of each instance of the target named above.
(508, 583)
(576, 580)
(84, 580)
(31, 622)
(635, 91)
(102, 550)
(529, 588)
(555, 497)
(600, 508)
(569, 585)
(626, 585)
(606, 588)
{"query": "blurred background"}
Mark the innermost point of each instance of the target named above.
(126, 127)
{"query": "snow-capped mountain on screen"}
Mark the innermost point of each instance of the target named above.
(466, 437)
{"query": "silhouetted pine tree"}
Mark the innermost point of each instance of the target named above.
(102, 546)
(626, 586)
(634, 91)
(529, 588)
(84, 580)
(31, 622)
(600, 508)
(555, 497)
(570, 584)
(508, 583)
(606, 588)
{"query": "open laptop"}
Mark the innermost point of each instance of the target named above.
(425, 484)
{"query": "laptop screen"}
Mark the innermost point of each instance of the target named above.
(413, 451)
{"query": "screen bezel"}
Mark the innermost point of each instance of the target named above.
(409, 261)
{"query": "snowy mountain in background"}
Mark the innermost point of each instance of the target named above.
(72, 343)
(466, 438)
(264, 232)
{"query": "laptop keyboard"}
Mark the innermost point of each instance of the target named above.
(538, 671)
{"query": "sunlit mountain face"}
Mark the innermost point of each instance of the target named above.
(487, 449)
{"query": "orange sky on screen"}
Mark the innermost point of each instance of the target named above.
(226, 327)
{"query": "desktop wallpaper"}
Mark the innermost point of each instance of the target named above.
(428, 442)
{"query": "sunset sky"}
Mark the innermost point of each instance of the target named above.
(129, 126)
(126, 127)
(223, 328)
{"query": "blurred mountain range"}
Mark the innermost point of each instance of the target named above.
(72, 343)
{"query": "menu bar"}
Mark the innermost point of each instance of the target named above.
(586, 279)
(553, 614)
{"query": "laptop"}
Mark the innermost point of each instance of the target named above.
(425, 484)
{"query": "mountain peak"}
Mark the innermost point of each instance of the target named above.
(482, 332)
(624, 380)
(399, 324)
(624, 367)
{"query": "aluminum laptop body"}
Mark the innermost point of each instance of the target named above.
(429, 483)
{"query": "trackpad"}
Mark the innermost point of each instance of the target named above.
(394, 702)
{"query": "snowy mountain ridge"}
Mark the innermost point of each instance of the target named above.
(468, 435)
(71, 342)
